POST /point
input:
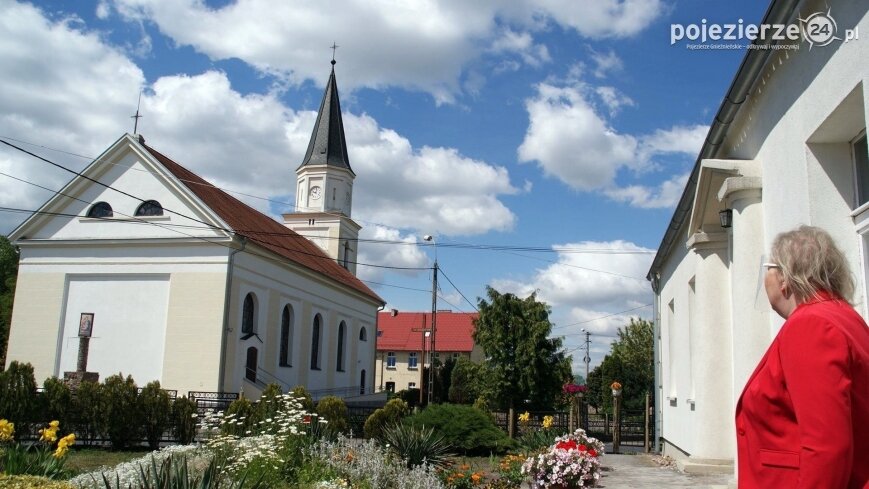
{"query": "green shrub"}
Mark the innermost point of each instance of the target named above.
(389, 414)
(241, 411)
(410, 396)
(18, 393)
(31, 482)
(416, 446)
(122, 415)
(334, 411)
(89, 408)
(269, 404)
(299, 392)
(56, 400)
(465, 428)
(155, 407)
(184, 419)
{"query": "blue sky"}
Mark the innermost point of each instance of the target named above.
(547, 124)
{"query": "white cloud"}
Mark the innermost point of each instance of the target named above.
(437, 39)
(665, 195)
(408, 255)
(522, 44)
(569, 138)
(606, 63)
(64, 88)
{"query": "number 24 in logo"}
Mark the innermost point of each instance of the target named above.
(819, 29)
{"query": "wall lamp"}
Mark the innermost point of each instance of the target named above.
(726, 218)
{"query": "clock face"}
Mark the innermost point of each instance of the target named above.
(316, 192)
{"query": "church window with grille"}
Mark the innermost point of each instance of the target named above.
(100, 210)
(149, 208)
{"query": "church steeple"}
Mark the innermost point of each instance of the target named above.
(327, 145)
(324, 185)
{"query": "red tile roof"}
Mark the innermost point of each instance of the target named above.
(454, 331)
(263, 230)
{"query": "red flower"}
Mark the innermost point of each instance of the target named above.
(566, 445)
(307, 419)
(582, 448)
(592, 452)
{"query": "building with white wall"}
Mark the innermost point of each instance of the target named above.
(186, 284)
(787, 147)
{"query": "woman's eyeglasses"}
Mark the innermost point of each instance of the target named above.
(771, 265)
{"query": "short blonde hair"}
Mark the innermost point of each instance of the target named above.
(810, 262)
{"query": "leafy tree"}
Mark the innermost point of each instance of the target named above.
(155, 406)
(8, 276)
(464, 386)
(523, 362)
(18, 393)
(123, 416)
(56, 400)
(443, 379)
(184, 419)
(631, 362)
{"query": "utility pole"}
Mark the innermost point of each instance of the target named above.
(587, 358)
(434, 317)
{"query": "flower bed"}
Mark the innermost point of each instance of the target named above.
(572, 462)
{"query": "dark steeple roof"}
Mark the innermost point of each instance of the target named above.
(328, 146)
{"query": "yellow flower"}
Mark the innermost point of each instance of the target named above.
(525, 417)
(60, 452)
(547, 422)
(48, 434)
(54, 424)
(7, 430)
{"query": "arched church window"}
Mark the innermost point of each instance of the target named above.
(315, 343)
(100, 209)
(362, 382)
(363, 334)
(248, 315)
(342, 334)
(286, 359)
(150, 208)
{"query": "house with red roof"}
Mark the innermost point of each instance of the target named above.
(404, 345)
(180, 282)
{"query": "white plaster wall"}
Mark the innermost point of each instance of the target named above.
(310, 294)
(129, 328)
(131, 172)
(791, 125)
(159, 309)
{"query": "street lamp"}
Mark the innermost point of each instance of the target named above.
(434, 316)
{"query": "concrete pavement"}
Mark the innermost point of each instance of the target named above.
(641, 471)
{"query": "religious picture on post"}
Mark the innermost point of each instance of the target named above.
(86, 325)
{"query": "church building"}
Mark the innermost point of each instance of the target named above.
(139, 266)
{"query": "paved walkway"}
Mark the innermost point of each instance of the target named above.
(641, 471)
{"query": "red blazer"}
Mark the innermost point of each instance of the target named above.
(803, 419)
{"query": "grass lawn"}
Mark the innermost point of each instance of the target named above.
(87, 459)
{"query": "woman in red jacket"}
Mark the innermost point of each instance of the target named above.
(803, 419)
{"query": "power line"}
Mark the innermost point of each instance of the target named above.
(457, 289)
(599, 318)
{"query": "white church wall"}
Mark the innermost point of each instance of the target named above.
(128, 172)
(309, 294)
(157, 317)
(129, 327)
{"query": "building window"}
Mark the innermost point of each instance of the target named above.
(390, 359)
(150, 208)
(411, 385)
(315, 343)
(456, 355)
(390, 387)
(100, 210)
(248, 315)
(250, 364)
(362, 382)
(346, 254)
(286, 359)
(363, 335)
(342, 332)
(411, 360)
(861, 163)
